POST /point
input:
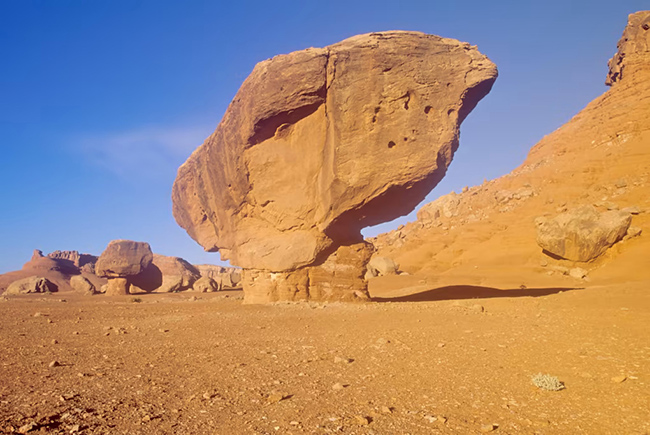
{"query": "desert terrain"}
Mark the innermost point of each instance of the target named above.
(449, 361)
(520, 306)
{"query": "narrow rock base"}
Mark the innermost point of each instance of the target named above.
(339, 278)
(117, 287)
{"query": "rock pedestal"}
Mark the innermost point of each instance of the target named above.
(117, 287)
(339, 278)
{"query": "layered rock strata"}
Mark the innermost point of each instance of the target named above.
(320, 143)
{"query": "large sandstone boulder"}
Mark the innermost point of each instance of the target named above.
(82, 285)
(582, 234)
(320, 143)
(382, 266)
(229, 277)
(120, 260)
(206, 284)
(32, 284)
(177, 274)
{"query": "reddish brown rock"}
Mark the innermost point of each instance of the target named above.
(320, 143)
(82, 285)
(176, 274)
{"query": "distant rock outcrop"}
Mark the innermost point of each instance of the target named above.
(228, 277)
(123, 259)
(633, 49)
(79, 260)
(32, 284)
(320, 143)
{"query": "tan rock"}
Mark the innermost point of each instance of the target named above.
(320, 143)
(582, 234)
(383, 103)
(206, 284)
(123, 258)
(82, 285)
(32, 284)
(117, 287)
(382, 266)
(633, 49)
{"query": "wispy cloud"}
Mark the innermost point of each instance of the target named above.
(147, 152)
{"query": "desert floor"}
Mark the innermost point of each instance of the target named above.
(454, 360)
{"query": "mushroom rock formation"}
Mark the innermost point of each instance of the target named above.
(121, 260)
(320, 143)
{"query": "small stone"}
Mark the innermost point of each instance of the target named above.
(633, 232)
(489, 427)
(632, 210)
(620, 183)
(442, 419)
(37, 314)
(543, 262)
(75, 428)
(146, 419)
(361, 420)
(578, 273)
(54, 342)
(54, 364)
(208, 396)
(386, 410)
(275, 397)
(441, 345)
(338, 386)
(619, 379)
(163, 330)
(339, 360)
(294, 423)
(75, 333)
(430, 418)
(27, 427)
(477, 308)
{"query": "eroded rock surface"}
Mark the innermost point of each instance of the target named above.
(32, 284)
(320, 143)
(582, 234)
(120, 260)
(633, 49)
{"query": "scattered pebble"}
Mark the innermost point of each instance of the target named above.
(163, 330)
(54, 364)
(275, 397)
(619, 379)
(338, 360)
(338, 386)
(361, 420)
(27, 427)
(489, 427)
(386, 410)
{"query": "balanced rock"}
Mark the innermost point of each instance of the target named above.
(32, 284)
(320, 143)
(120, 260)
(582, 234)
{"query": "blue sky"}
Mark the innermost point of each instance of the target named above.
(101, 101)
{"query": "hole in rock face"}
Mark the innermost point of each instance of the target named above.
(427, 109)
(391, 144)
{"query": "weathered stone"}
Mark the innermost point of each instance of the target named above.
(320, 143)
(581, 234)
(117, 287)
(123, 258)
(206, 284)
(74, 257)
(339, 278)
(82, 285)
(229, 277)
(633, 49)
(382, 266)
(32, 284)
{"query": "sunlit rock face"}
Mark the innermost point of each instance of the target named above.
(320, 143)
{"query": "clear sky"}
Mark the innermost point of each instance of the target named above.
(101, 101)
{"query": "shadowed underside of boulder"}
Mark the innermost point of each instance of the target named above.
(320, 143)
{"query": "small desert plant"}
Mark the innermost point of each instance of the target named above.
(136, 300)
(547, 382)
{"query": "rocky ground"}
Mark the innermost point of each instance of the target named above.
(454, 360)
